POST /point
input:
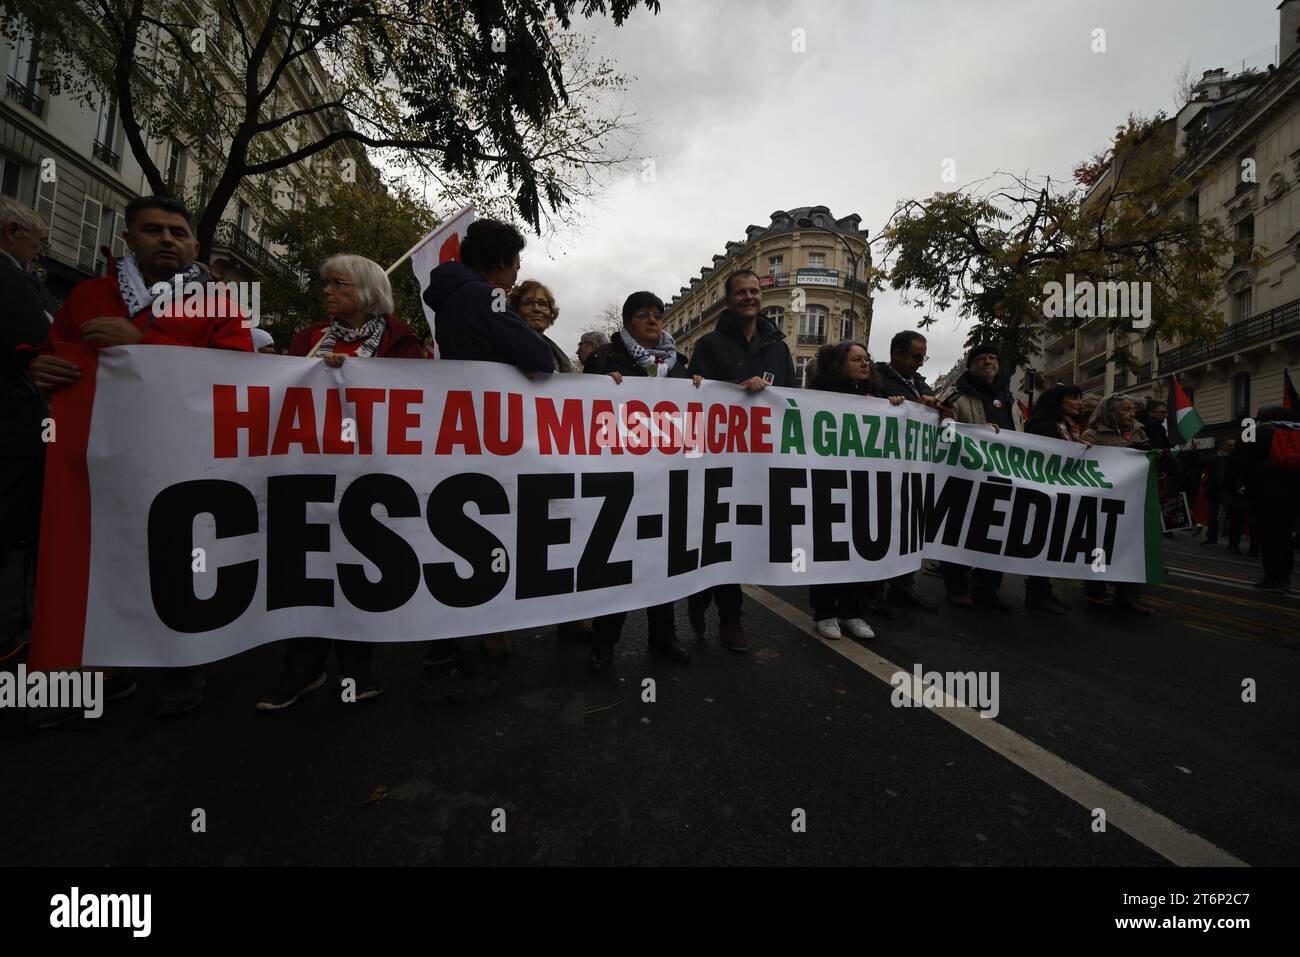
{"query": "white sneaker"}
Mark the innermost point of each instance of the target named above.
(858, 628)
(829, 628)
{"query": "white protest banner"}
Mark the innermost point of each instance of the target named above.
(224, 500)
(440, 246)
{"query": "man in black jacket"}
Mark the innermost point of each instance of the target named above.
(747, 349)
(474, 320)
(1273, 492)
(901, 376)
(24, 327)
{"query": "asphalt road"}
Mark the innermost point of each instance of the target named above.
(1143, 718)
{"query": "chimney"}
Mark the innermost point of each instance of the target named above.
(1288, 29)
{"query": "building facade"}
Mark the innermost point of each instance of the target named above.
(1242, 134)
(71, 164)
(811, 267)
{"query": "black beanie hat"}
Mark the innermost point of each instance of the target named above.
(640, 300)
(980, 351)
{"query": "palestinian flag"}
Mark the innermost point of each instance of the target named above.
(1184, 421)
(1290, 398)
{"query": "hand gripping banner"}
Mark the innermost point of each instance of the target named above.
(199, 502)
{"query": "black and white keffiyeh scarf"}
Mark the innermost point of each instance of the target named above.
(136, 292)
(656, 362)
(371, 331)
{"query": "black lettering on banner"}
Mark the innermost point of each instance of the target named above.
(904, 493)
(782, 513)
(985, 515)
(595, 570)
(949, 510)
(680, 558)
(536, 532)
(826, 513)
(289, 537)
(916, 514)
(716, 513)
(1059, 518)
(872, 549)
(398, 564)
(1083, 535)
(1023, 539)
(467, 538)
(1112, 508)
(171, 546)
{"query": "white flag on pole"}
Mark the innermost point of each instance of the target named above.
(440, 246)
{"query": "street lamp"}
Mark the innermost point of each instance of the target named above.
(806, 223)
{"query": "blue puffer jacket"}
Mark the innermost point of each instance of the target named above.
(467, 327)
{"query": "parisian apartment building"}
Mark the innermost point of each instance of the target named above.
(96, 174)
(810, 266)
(1254, 116)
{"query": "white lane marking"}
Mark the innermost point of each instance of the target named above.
(1167, 838)
(1213, 579)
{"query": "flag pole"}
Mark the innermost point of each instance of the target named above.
(407, 255)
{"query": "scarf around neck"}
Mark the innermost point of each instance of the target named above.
(135, 291)
(656, 362)
(372, 330)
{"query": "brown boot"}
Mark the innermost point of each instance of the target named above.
(497, 646)
(732, 634)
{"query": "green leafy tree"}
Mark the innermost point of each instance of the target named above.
(273, 96)
(380, 224)
(990, 250)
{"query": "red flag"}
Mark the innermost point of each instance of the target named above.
(1290, 398)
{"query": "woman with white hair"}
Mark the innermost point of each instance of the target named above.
(359, 302)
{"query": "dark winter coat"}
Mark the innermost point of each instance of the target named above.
(725, 354)
(468, 327)
(614, 357)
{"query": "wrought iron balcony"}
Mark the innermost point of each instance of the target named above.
(230, 236)
(1280, 321)
(812, 339)
(105, 155)
(24, 97)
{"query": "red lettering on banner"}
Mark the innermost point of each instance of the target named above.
(760, 429)
(401, 418)
(564, 432)
(332, 438)
(667, 420)
(513, 440)
(365, 401)
(717, 440)
(636, 422)
(604, 428)
(228, 419)
(736, 430)
(297, 423)
(459, 425)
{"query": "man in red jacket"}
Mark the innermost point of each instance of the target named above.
(117, 309)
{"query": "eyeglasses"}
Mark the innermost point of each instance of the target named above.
(340, 283)
(645, 314)
(918, 359)
(536, 304)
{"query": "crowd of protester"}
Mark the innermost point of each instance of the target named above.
(485, 313)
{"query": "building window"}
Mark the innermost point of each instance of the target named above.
(1246, 237)
(244, 218)
(776, 265)
(812, 325)
(106, 132)
(776, 316)
(1241, 404)
(817, 260)
(848, 324)
(801, 370)
(175, 166)
(22, 85)
(1243, 305)
(10, 172)
(819, 220)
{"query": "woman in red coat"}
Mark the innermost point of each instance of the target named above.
(359, 302)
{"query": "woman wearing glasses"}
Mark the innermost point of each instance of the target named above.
(536, 306)
(359, 302)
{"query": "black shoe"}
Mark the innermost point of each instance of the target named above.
(579, 631)
(879, 609)
(181, 694)
(367, 686)
(991, 599)
(118, 686)
(453, 685)
(908, 596)
(1208, 544)
(670, 648)
(1234, 549)
(1048, 603)
(289, 689)
(600, 656)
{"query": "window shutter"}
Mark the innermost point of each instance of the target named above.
(45, 193)
(92, 211)
(117, 243)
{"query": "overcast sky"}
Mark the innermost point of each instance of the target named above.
(739, 125)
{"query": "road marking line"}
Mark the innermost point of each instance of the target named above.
(1263, 631)
(1222, 580)
(1167, 838)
